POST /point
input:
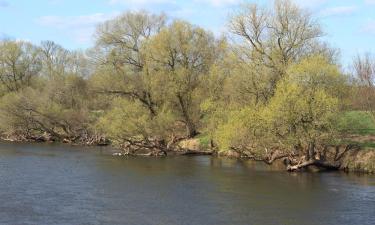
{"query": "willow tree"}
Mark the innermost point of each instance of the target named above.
(123, 74)
(297, 124)
(181, 55)
(119, 55)
(156, 73)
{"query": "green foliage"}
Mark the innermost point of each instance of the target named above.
(146, 80)
(46, 93)
(302, 111)
(181, 56)
(317, 71)
(32, 113)
(301, 115)
(129, 120)
(243, 129)
(204, 141)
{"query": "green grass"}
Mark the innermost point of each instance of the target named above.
(367, 145)
(204, 140)
(364, 145)
(356, 122)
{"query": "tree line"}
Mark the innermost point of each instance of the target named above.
(269, 89)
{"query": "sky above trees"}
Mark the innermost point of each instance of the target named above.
(348, 24)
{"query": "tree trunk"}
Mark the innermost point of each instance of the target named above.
(310, 151)
(191, 130)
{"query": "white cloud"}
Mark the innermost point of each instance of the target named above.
(140, 2)
(181, 13)
(370, 2)
(311, 4)
(55, 2)
(215, 3)
(80, 28)
(3, 36)
(369, 27)
(339, 11)
(4, 4)
(219, 3)
(72, 21)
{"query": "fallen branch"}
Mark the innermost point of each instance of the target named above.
(318, 163)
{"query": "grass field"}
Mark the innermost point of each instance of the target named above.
(356, 122)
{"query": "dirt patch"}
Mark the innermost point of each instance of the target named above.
(361, 138)
(191, 144)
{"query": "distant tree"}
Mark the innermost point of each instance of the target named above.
(56, 106)
(364, 70)
(19, 64)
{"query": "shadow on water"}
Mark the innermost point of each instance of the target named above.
(59, 184)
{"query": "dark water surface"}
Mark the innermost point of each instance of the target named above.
(57, 184)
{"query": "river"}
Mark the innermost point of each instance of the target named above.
(60, 184)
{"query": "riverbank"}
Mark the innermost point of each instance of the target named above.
(88, 140)
(359, 160)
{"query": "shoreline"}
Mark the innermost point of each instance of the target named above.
(361, 161)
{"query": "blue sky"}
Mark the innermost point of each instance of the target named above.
(349, 24)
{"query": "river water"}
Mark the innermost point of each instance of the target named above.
(59, 184)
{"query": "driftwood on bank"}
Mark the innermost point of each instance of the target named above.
(158, 148)
(327, 157)
(330, 158)
(318, 163)
(171, 152)
(82, 139)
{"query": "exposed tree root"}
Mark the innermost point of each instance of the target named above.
(79, 139)
(156, 147)
(327, 157)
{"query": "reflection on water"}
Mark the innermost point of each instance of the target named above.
(58, 184)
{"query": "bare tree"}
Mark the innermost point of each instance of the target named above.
(364, 68)
(275, 37)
